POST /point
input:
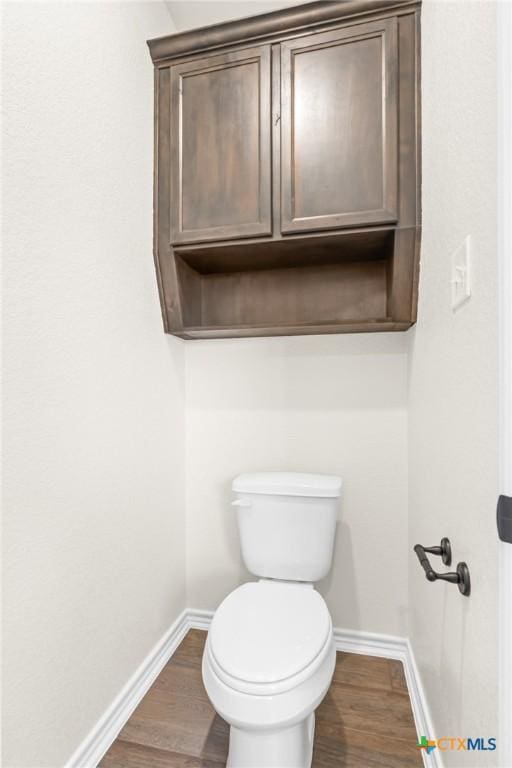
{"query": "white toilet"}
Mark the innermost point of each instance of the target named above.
(269, 657)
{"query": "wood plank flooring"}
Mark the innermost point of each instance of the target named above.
(365, 721)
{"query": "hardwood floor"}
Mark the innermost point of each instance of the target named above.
(365, 721)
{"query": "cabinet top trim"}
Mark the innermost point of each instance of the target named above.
(269, 25)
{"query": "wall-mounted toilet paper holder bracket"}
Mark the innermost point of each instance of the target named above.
(460, 576)
(444, 550)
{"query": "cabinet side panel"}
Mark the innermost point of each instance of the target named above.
(402, 276)
(156, 194)
(164, 258)
(409, 213)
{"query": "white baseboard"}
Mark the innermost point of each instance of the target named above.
(199, 619)
(104, 733)
(370, 644)
(399, 648)
(419, 705)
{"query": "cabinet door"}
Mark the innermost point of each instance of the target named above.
(339, 128)
(220, 147)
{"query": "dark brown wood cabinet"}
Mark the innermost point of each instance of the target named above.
(339, 101)
(287, 172)
(220, 147)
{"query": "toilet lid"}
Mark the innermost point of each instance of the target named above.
(266, 632)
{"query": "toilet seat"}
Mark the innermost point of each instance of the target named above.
(268, 637)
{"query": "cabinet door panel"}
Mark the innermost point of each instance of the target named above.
(220, 147)
(339, 128)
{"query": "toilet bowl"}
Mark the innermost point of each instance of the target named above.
(270, 655)
(268, 663)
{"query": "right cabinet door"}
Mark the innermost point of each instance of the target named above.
(339, 128)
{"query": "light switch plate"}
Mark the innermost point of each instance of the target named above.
(461, 274)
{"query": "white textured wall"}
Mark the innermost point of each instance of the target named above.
(334, 404)
(95, 394)
(94, 417)
(453, 376)
(188, 14)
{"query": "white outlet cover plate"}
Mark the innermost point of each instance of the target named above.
(461, 274)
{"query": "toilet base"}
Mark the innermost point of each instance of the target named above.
(287, 748)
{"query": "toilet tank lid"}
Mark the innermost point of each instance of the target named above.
(288, 484)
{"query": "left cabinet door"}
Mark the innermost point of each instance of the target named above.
(221, 147)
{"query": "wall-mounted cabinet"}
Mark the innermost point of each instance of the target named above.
(287, 172)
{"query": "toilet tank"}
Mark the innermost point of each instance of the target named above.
(287, 523)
